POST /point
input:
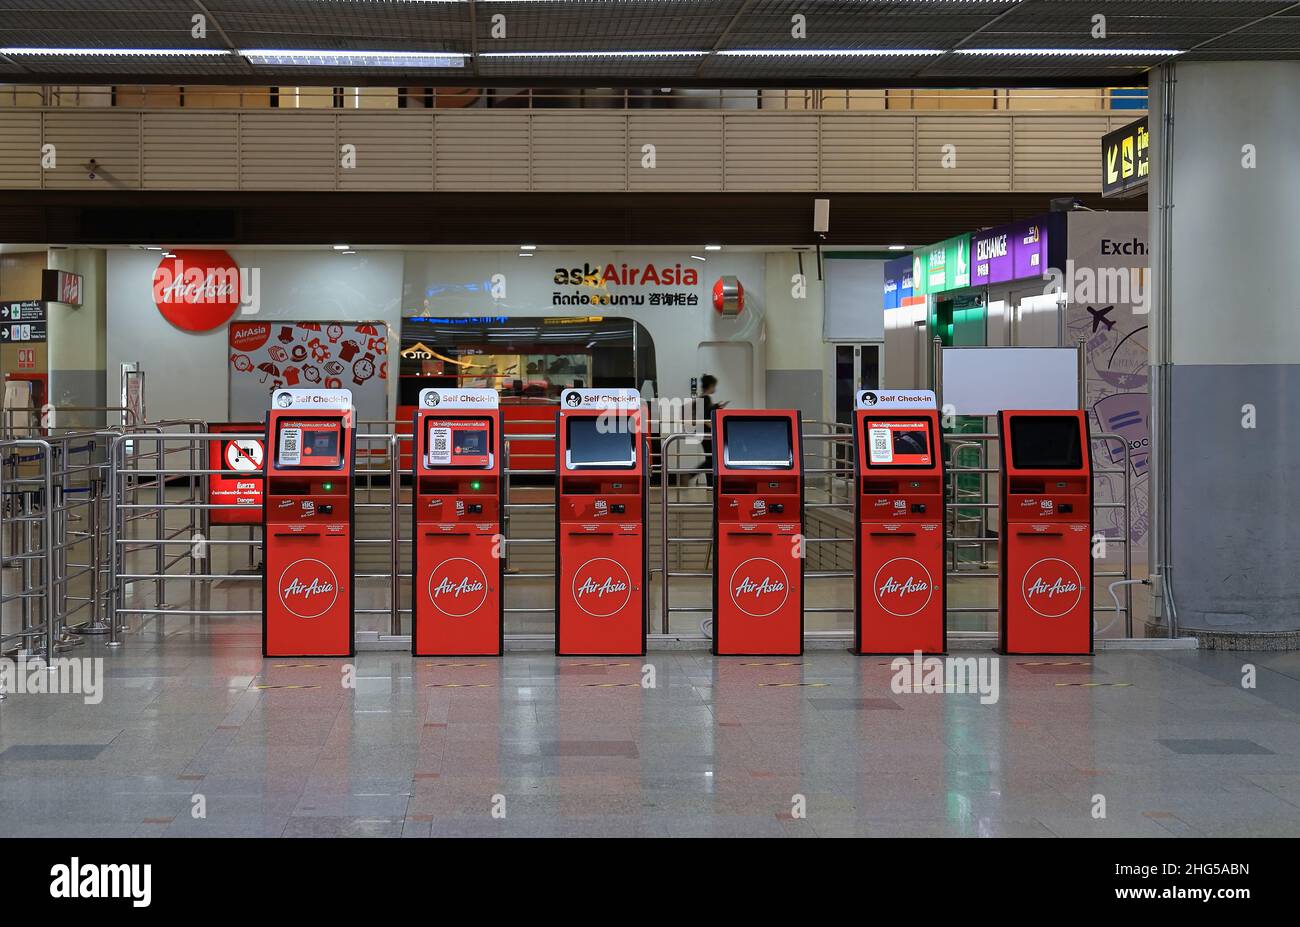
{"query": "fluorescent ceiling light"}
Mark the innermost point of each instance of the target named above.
(713, 247)
(117, 52)
(829, 52)
(349, 252)
(340, 247)
(898, 247)
(525, 254)
(592, 54)
(700, 257)
(527, 247)
(355, 59)
(1073, 52)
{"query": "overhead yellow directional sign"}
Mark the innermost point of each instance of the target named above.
(1126, 162)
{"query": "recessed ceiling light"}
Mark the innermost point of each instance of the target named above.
(713, 247)
(591, 54)
(829, 52)
(356, 59)
(116, 52)
(340, 247)
(349, 252)
(525, 254)
(1073, 52)
(898, 247)
(527, 247)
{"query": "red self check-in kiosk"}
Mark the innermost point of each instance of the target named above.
(307, 584)
(1046, 532)
(758, 533)
(459, 564)
(900, 591)
(601, 556)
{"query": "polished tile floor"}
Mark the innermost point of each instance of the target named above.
(197, 735)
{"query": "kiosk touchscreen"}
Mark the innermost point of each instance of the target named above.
(1046, 532)
(601, 557)
(757, 530)
(900, 594)
(459, 560)
(307, 523)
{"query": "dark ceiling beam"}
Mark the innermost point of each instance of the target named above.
(477, 218)
(399, 78)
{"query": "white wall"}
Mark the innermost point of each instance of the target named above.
(185, 373)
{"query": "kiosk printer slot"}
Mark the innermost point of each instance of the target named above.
(459, 560)
(601, 555)
(900, 594)
(307, 586)
(1046, 537)
(757, 532)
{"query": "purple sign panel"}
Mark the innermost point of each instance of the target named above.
(991, 256)
(1029, 246)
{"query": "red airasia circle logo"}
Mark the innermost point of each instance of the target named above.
(903, 587)
(308, 588)
(197, 291)
(457, 587)
(759, 587)
(1051, 587)
(601, 587)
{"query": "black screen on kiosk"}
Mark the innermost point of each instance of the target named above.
(1046, 442)
(599, 442)
(757, 443)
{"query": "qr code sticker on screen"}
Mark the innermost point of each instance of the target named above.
(290, 447)
(880, 446)
(440, 446)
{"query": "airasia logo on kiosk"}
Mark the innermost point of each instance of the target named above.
(759, 587)
(903, 587)
(1051, 587)
(601, 587)
(308, 588)
(197, 290)
(457, 587)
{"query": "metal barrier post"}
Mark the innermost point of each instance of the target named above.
(395, 529)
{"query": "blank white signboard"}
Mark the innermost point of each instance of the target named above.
(984, 381)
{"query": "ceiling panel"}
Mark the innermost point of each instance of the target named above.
(1214, 29)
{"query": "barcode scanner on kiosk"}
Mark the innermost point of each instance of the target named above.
(757, 530)
(900, 594)
(602, 565)
(307, 525)
(459, 561)
(1045, 543)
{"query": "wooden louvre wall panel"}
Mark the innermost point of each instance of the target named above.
(688, 151)
(394, 151)
(982, 149)
(288, 151)
(20, 149)
(868, 155)
(191, 151)
(1058, 153)
(580, 151)
(111, 139)
(481, 151)
(771, 152)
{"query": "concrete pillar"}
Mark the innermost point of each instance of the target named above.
(1225, 224)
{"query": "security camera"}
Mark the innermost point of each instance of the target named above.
(92, 167)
